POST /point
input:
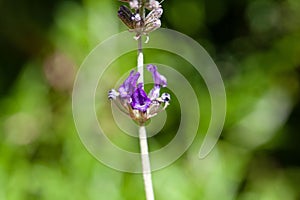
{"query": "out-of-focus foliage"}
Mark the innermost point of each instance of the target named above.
(256, 47)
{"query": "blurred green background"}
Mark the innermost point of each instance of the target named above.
(255, 44)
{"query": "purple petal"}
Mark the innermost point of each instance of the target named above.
(140, 101)
(157, 77)
(129, 85)
(154, 93)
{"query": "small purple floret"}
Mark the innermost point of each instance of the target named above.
(157, 77)
(129, 85)
(140, 100)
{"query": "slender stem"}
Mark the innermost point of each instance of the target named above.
(140, 61)
(146, 163)
(142, 130)
(143, 134)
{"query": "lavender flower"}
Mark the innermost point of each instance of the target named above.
(132, 99)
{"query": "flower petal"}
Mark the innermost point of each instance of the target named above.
(140, 101)
(129, 85)
(154, 93)
(157, 77)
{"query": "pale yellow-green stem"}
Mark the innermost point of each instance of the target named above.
(146, 168)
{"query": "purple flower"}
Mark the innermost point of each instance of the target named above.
(133, 100)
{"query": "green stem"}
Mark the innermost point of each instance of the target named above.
(146, 168)
(140, 61)
(146, 163)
